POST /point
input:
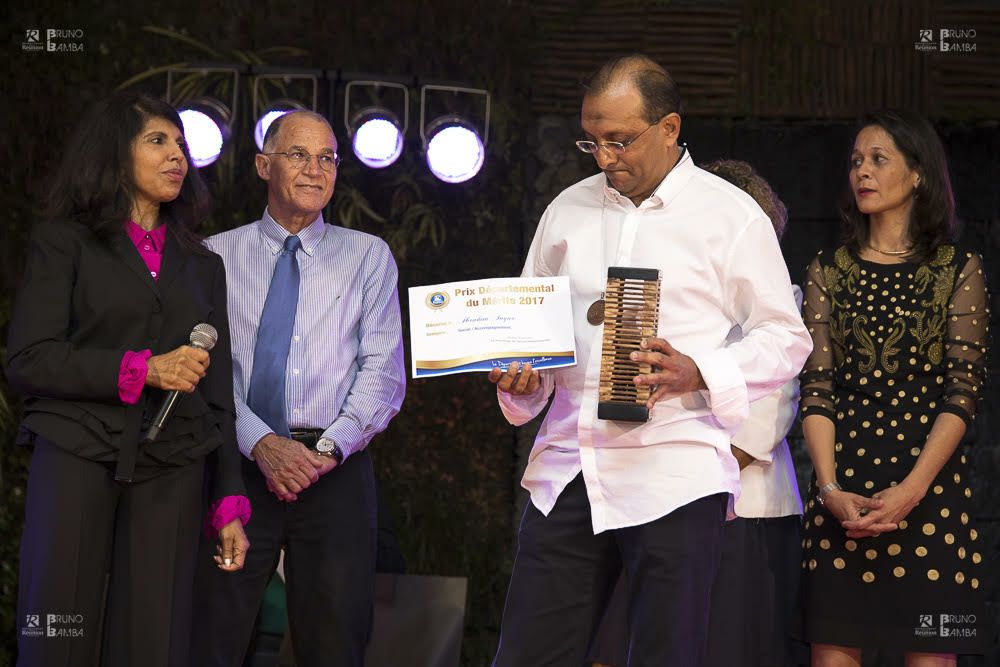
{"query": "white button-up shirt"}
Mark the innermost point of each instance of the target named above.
(720, 267)
(768, 487)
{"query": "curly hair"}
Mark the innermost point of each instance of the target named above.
(94, 183)
(743, 176)
(932, 217)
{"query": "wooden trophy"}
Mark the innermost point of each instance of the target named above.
(631, 313)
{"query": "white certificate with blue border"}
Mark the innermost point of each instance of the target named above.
(478, 325)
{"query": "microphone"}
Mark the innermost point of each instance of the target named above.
(203, 337)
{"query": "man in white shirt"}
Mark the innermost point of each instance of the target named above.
(647, 497)
(754, 596)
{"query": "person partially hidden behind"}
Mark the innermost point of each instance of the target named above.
(647, 498)
(318, 363)
(114, 284)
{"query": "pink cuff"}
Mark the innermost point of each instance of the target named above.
(132, 376)
(224, 511)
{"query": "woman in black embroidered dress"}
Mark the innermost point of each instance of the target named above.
(898, 316)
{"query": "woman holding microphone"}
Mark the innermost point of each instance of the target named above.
(115, 282)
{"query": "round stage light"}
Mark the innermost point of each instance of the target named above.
(206, 129)
(455, 151)
(271, 113)
(376, 137)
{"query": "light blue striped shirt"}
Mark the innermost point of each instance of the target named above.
(345, 366)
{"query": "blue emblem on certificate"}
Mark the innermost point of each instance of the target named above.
(437, 300)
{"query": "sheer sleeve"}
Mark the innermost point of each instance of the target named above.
(965, 347)
(816, 379)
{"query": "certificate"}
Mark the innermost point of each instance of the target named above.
(478, 325)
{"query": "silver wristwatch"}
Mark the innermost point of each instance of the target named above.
(327, 447)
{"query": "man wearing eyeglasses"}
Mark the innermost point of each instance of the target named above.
(318, 371)
(649, 498)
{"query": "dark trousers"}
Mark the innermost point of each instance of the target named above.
(80, 525)
(754, 597)
(563, 576)
(329, 539)
(756, 594)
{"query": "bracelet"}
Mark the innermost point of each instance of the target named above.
(825, 489)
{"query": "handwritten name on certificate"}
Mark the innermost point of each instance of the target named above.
(478, 325)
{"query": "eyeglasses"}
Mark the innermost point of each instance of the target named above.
(613, 147)
(299, 159)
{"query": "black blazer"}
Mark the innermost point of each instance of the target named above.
(82, 304)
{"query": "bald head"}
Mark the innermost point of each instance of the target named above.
(274, 129)
(658, 90)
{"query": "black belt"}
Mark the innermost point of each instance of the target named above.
(307, 436)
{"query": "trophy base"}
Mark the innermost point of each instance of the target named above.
(623, 412)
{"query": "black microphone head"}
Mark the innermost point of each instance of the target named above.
(204, 336)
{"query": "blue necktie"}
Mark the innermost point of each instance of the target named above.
(266, 396)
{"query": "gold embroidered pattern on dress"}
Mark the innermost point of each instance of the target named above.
(867, 344)
(927, 323)
(944, 283)
(888, 351)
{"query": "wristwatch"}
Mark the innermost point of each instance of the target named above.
(327, 447)
(825, 489)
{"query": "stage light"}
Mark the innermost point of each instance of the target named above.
(273, 111)
(455, 151)
(206, 119)
(376, 133)
(376, 137)
(453, 147)
(206, 129)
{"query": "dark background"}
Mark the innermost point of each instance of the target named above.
(778, 84)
